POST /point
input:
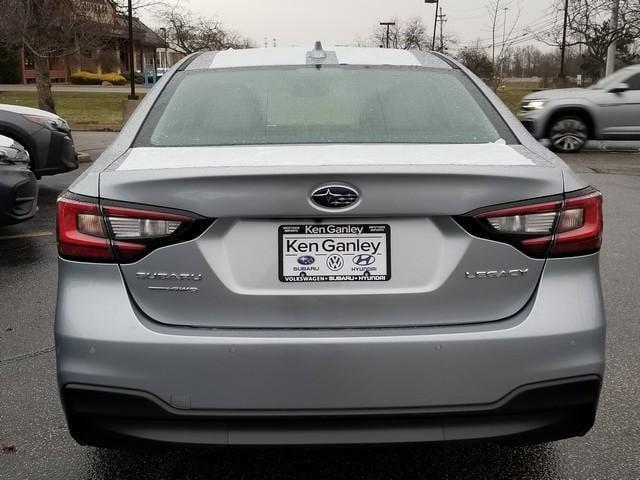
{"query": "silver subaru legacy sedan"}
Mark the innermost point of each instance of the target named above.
(327, 246)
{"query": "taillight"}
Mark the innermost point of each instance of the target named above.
(557, 227)
(81, 231)
(580, 226)
(91, 232)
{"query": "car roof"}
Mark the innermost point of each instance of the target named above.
(291, 56)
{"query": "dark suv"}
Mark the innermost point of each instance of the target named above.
(46, 136)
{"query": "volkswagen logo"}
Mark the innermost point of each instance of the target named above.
(335, 262)
(334, 196)
(364, 260)
(306, 260)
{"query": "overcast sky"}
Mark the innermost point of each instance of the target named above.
(342, 22)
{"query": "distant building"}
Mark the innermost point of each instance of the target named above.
(167, 57)
(111, 56)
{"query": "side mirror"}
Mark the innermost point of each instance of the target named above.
(621, 87)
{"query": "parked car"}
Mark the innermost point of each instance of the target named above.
(287, 246)
(18, 185)
(609, 110)
(46, 136)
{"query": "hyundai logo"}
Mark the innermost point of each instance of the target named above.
(364, 260)
(306, 260)
(334, 196)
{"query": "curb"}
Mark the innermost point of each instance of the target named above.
(84, 157)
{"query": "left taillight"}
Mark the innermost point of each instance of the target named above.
(111, 233)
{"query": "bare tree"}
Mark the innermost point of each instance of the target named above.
(413, 35)
(188, 33)
(589, 27)
(501, 38)
(51, 29)
(476, 59)
(409, 35)
(122, 6)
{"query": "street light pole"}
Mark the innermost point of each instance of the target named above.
(611, 51)
(435, 22)
(132, 74)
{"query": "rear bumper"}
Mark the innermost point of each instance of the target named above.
(535, 413)
(103, 340)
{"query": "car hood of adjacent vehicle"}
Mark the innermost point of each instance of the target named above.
(28, 111)
(560, 93)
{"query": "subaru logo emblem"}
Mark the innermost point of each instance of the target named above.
(306, 260)
(334, 196)
(364, 260)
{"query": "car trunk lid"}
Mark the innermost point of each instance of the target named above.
(410, 193)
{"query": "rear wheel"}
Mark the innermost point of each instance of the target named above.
(568, 134)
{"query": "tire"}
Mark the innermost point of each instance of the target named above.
(568, 134)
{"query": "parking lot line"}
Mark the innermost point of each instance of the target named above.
(26, 235)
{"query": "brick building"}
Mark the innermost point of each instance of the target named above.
(113, 53)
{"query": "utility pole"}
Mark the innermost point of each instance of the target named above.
(611, 52)
(132, 74)
(442, 18)
(435, 22)
(563, 47)
(388, 25)
(504, 39)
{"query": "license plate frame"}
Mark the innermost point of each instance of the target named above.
(334, 252)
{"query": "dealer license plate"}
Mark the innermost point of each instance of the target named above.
(334, 253)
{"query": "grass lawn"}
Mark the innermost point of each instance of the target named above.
(83, 110)
(512, 96)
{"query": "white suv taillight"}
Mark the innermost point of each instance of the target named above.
(91, 232)
(554, 227)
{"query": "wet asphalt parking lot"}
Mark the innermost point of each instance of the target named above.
(31, 419)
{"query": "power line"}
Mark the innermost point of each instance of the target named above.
(523, 35)
(529, 30)
(535, 27)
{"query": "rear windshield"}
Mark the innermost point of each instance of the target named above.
(337, 104)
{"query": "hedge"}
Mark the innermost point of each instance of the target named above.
(89, 78)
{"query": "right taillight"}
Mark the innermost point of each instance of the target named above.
(556, 226)
(120, 233)
(580, 225)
